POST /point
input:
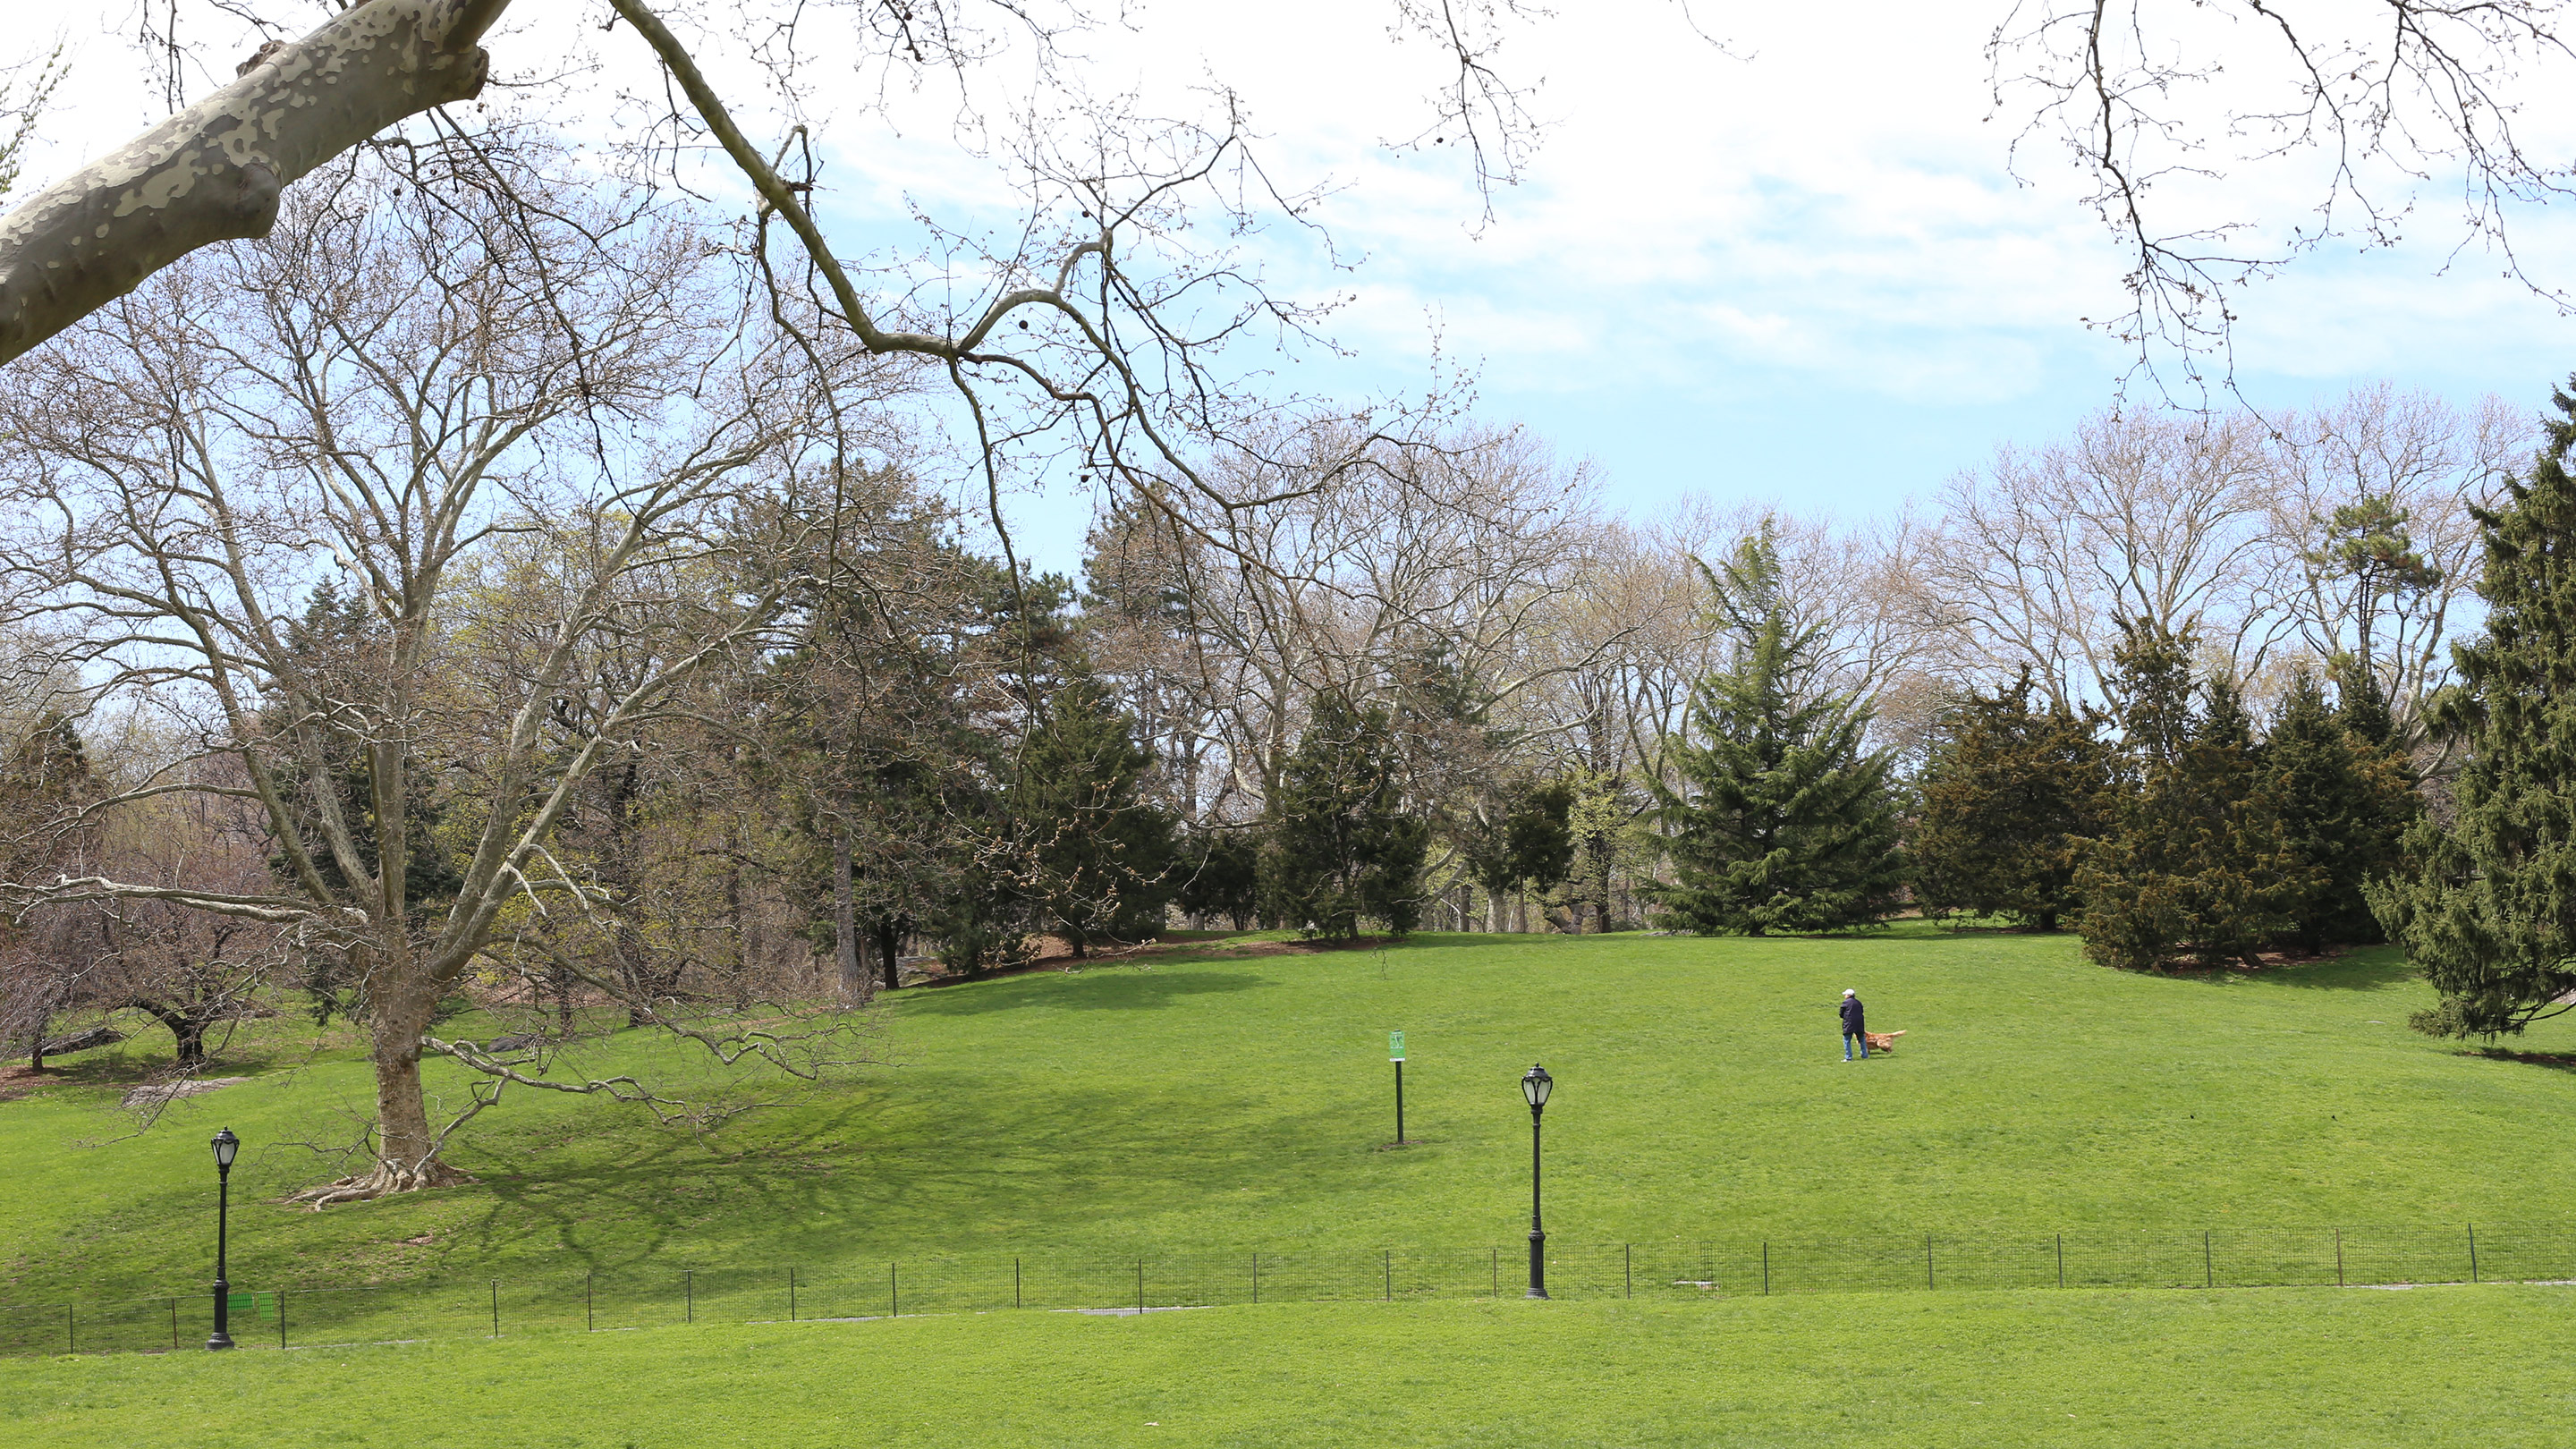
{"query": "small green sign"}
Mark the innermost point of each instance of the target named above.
(1395, 1046)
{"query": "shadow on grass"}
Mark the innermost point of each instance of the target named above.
(822, 1188)
(2366, 968)
(2554, 1061)
(1102, 988)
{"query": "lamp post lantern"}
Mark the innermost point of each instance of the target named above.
(1535, 1085)
(225, 1144)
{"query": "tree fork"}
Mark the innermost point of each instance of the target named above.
(213, 172)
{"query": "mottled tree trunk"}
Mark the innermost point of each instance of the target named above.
(402, 998)
(213, 172)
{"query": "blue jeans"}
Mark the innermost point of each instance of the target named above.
(1852, 1036)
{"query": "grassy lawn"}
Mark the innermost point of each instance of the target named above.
(2489, 1366)
(1204, 1103)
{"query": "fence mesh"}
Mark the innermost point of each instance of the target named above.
(2235, 1257)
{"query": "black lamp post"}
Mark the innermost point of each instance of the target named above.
(226, 1144)
(1535, 1086)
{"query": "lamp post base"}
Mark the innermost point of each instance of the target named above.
(1538, 1265)
(222, 1337)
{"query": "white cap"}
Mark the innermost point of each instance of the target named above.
(1847, 991)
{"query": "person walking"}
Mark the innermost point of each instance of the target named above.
(1855, 1025)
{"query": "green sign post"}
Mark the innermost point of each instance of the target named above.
(1395, 1054)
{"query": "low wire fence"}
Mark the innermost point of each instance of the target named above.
(294, 1316)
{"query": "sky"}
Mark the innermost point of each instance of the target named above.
(1796, 267)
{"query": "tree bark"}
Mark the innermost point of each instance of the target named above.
(213, 172)
(845, 920)
(889, 954)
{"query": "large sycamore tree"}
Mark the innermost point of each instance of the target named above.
(546, 465)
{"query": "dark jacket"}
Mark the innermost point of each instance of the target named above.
(1852, 1017)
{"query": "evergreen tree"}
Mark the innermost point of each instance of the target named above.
(1222, 877)
(1342, 847)
(1099, 857)
(2196, 862)
(2344, 801)
(1523, 839)
(1783, 822)
(2487, 906)
(2011, 796)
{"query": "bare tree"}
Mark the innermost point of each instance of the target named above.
(190, 970)
(2163, 104)
(2372, 500)
(401, 382)
(2159, 516)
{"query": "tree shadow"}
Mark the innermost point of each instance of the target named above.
(2554, 1061)
(1103, 988)
(2364, 968)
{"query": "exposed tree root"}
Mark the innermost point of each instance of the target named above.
(384, 1180)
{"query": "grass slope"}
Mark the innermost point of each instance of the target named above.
(2491, 1367)
(1200, 1102)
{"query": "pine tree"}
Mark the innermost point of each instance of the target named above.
(1221, 876)
(1342, 847)
(2011, 796)
(2196, 863)
(1783, 822)
(2344, 801)
(1099, 857)
(1523, 839)
(2487, 907)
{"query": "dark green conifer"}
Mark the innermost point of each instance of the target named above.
(1221, 874)
(1099, 858)
(2196, 864)
(1783, 821)
(1523, 839)
(2344, 801)
(1342, 847)
(2011, 796)
(2487, 906)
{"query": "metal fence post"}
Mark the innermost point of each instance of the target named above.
(1766, 1267)
(1927, 1260)
(791, 1295)
(1628, 1261)
(1495, 1260)
(2208, 1263)
(496, 1308)
(2061, 1260)
(688, 1295)
(174, 1323)
(1140, 1285)
(281, 1319)
(71, 1328)
(2338, 1257)
(2473, 1252)
(1015, 1282)
(589, 1310)
(894, 1294)
(1390, 1274)
(1256, 1277)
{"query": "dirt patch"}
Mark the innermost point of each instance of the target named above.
(17, 1081)
(160, 1094)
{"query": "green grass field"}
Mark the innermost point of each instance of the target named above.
(1198, 1107)
(2490, 1366)
(1204, 1104)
